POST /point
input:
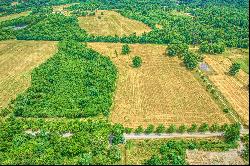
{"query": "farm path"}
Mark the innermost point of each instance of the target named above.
(178, 135)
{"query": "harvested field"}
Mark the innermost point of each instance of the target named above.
(162, 91)
(111, 23)
(17, 59)
(13, 16)
(196, 157)
(233, 88)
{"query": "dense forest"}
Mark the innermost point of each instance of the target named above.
(39, 142)
(214, 24)
(76, 82)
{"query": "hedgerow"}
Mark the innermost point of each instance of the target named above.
(76, 82)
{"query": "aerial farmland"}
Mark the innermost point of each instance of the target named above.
(124, 82)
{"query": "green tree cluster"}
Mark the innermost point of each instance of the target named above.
(137, 61)
(125, 49)
(234, 69)
(76, 82)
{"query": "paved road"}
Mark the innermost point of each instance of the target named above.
(177, 135)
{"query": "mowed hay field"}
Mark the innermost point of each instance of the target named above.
(235, 89)
(162, 91)
(13, 16)
(111, 23)
(17, 59)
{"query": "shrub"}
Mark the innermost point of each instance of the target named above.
(114, 153)
(154, 160)
(182, 129)
(234, 69)
(232, 134)
(203, 128)
(224, 127)
(245, 153)
(149, 129)
(139, 130)
(117, 132)
(160, 129)
(4, 112)
(118, 129)
(177, 49)
(137, 61)
(226, 110)
(193, 128)
(125, 49)
(118, 139)
(171, 129)
(129, 144)
(128, 130)
(190, 60)
(212, 48)
(214, 128)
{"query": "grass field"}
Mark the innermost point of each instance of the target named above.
(238, 55)
(111, 23)
(162, 91)
(233, 88)
(17, 59)
(13, 16)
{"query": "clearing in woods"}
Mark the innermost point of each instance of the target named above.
(13, 16)
(162, 91)
(17, 59)
(111, 23)
(61, 9)
(235, 89)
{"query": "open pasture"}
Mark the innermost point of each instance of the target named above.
(111, 23)
(17, 59)
(162, 91)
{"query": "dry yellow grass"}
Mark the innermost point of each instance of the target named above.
(60, 9)
(197, 157)
(162, 91)
(17, 59)
(13, 16)
(111, 23)
(233, 88)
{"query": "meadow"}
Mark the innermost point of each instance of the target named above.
(106, 23)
